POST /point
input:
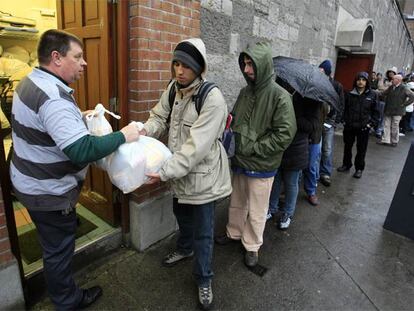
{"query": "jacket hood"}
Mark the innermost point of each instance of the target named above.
(393, 69)
(365, 75)
(261, 55)
(199, 45)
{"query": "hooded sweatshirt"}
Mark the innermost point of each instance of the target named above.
(264, 119)
(198, 169)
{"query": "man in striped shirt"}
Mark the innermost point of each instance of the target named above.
(52, 150)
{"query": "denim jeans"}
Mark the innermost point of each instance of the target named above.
(311, 173)
(290, 179)
(380, 127)
(412, 121)
(327, 151)
(196, 225)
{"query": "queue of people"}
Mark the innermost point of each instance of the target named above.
(277, 137)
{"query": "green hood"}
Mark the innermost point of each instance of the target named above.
(261, 55)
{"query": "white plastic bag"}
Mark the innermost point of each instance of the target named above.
(98, 125)
(126, 168)
(129, 164)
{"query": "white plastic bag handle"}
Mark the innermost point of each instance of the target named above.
(100, 109)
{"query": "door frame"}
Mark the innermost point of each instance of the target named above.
(122, 78)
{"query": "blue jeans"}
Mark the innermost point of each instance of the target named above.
(290, 180)
(311, 173)
(412, 121)
(379, 130)
(327, 151)
(196, 225)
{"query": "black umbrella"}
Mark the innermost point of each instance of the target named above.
(306, 79)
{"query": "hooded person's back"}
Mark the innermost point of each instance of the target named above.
(264, 120)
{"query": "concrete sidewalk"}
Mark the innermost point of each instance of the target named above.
(335, 256)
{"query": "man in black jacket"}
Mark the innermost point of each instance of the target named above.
(360, 114)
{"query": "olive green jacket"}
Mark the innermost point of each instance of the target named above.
(264, 121)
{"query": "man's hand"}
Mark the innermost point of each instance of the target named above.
(154, 178)
(130, 132)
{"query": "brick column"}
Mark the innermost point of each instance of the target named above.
(155, 29)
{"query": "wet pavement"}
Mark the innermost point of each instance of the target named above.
(335, 256)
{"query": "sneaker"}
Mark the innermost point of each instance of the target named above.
(205, 296)
(401, 134)
(251, 258)
(175, 257)
(284, 222)
(313, 199)
(269, 215)
(343, 169)
(325, 180)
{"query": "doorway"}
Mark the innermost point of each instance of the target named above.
(348, 65)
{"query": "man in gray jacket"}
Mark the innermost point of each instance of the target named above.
(198, 170)
(397, 98)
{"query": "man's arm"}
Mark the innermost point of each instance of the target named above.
(410, 97)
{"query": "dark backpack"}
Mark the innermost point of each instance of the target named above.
(198, 99)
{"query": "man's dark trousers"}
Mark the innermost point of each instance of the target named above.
(361, 136)
(56, 233)
(196, 224)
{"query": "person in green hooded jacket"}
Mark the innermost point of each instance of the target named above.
(264, 125)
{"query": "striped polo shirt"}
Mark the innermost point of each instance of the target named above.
(45, 120)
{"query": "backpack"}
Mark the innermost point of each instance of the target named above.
(227, 138)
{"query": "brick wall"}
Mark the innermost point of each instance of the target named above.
(5, 252)
(155, 29)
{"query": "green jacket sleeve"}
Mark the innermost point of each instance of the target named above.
(92, 148)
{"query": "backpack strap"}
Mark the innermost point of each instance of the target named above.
(198, 98)
(171, 98)
(201, 95)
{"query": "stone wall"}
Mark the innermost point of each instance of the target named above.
(297, 28)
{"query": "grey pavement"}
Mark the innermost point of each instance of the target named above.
(335, 256)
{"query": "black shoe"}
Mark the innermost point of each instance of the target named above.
(325, 180)
(343, 169)
(357, 174)
(251, 258)
(223, 239)
(90, 295)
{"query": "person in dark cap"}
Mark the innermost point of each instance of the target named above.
(360, 114)
(331, 119)
(198, 169)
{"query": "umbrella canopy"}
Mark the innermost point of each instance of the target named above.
(306, 79)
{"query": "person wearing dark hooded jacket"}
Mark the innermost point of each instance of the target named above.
(294, 160)
(264, 125)
(360, 114)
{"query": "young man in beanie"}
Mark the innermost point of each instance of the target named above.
(264, 125)
(360, 115)
(198, 170)
(332, 118)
